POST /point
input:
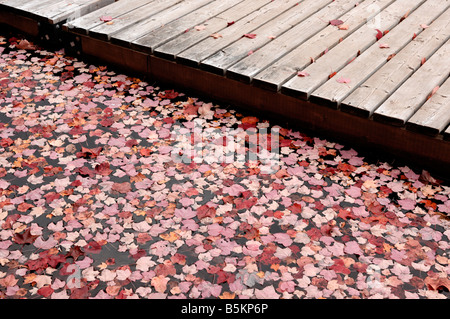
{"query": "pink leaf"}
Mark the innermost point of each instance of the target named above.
(266, 293)
(302, 74)
(105, 18)
(343, 80)
(45, 244)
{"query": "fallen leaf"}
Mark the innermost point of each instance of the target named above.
(160, 283)
(433, 92)
(216, 35)
(250, 35)
(25, 237)
(383, 45)
(343, 80)
(379, 34)
(336, 22)
(200, 27)
(105, 18)
(343, 27)
(302, 74)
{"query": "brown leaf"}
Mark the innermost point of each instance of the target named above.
(25, 237)
(122, 188)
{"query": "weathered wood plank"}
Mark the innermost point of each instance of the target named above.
(63, 9)
(172, 29)
(339, 56)
(404, 102)
(354, 74)
(27, 6)
(145, 19)
(245, 69)
(83, 24)
(136, 30)
(369, 96)
(434, 116)
(275, 75)
(193, 36)
(272, 19)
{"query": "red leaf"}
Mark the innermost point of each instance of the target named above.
(336, 22)
(205, 211)
(89, 153)
(92, 247)
(379, 34)
(103, 169)
(45, 291)
(230, 23)
(25, 237)
(250, 35)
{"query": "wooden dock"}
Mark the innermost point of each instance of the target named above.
(373, 72)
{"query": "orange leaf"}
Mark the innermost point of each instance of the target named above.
(227, 295)
(160, 283)
(171, 237)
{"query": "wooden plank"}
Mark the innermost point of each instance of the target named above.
(401, 105)
(27, 6)
(274, 19)
(434, 116)
(193, 36)
(83, 24)
(275, 75)
(136, 30)
(138, 20)
(21, 23)
(339, 56)
(172, 29)
(248, 67)
(369, 96)
(333, 92)
(81, 10)
(63, 9)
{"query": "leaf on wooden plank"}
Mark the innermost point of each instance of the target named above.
(422, 62)
(414, 36)
(106, 18)
(230, 23)
(433, 92)
(383, 45)
(343, 80)
(424, 26)
(331, 75)
(336, 22)
(379, 34)
(405, 16)
(302, 74)
(343, 27)
(216, 35)
(390, 57)
(200, 27)
(250, 35)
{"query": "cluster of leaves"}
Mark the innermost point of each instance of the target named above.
(93, 206)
